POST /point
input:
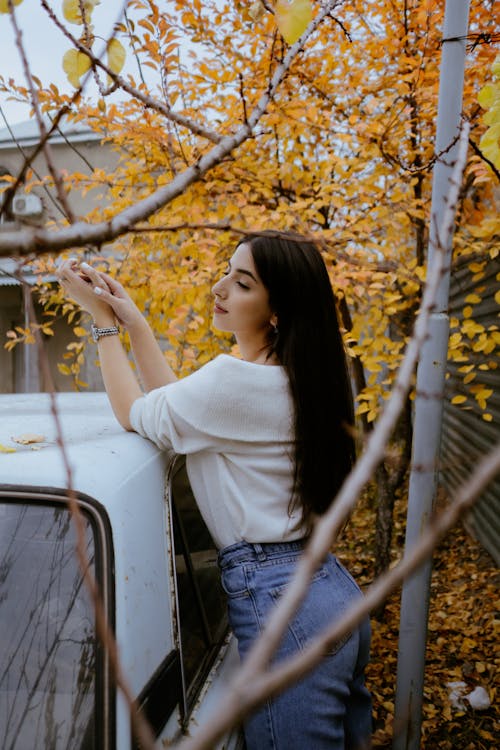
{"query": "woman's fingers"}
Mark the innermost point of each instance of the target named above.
(66, 268)
(83, 282)
(94, 276)
(113, 285)
(79, 284)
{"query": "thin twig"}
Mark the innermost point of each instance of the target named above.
(56, 176)
(120, 82)
(484, 158)
(81, 233)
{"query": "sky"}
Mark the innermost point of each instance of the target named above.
(45, 46)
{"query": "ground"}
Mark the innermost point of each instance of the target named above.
(464, 619)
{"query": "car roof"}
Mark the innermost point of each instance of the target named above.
(101, 454)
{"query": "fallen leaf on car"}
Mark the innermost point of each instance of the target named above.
(6, 449)
(28, 438)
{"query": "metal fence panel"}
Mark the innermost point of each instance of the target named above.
(466, 435)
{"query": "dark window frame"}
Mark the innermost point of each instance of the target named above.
(156, 701)
(95, 513)
(214, 637)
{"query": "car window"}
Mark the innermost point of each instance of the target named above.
(202, 603)
(47, 631)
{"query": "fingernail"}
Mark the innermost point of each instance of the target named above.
(97, 290)
(85, 265)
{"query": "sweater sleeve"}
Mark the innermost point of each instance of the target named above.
(219, 407)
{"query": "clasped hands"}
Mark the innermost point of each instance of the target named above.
(98, 293)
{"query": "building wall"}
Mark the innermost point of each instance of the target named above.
(22, 368)
(80, 157)
(73, 151)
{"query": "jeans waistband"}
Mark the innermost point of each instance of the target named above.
(253, 552)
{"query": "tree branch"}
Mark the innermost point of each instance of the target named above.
(120, 82)
(41, 125)
(26, 241)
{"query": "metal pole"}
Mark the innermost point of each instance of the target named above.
(429, 399)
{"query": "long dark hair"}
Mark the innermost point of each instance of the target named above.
(308, 343)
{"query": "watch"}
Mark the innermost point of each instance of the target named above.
(98, 333)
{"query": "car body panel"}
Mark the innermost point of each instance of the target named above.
(124, 475)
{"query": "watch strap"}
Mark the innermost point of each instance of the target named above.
(98, 333)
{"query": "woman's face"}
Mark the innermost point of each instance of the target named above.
(241, 299)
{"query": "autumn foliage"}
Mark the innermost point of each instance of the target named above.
(344, 153)
(462, 642)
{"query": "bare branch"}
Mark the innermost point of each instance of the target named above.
(29, 240)
(27, 160)
(41, 125)
(120, 82)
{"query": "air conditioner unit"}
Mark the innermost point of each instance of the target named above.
(26, 206)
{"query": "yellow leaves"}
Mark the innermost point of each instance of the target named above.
(6, 448)
(292, 18)
(75, 65)
(116, 55)
(473, 299)
(477, 267)
(72, 10)
(256, 10)
(469, 326)
(489, 99)
(4, 5)
(28, 438)
(455, 340)
(488, 95)
(489, 144)
(481, 394)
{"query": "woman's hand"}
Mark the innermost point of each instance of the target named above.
(108, 302)
(80, 287)
(98, 293)
(109, 290)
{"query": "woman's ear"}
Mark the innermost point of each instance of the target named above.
(274, 321)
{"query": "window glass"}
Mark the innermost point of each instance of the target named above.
(202, 602)
(47, 632)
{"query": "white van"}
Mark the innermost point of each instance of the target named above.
(153, 560)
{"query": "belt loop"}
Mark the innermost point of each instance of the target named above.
(259, 551)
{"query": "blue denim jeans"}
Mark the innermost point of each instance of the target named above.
(330, 708)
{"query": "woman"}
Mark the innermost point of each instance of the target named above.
(268, 442)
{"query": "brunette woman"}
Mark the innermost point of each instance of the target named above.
(268, 441)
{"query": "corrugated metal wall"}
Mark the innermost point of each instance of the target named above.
(466, 435)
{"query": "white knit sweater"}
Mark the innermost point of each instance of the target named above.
(233, 421)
